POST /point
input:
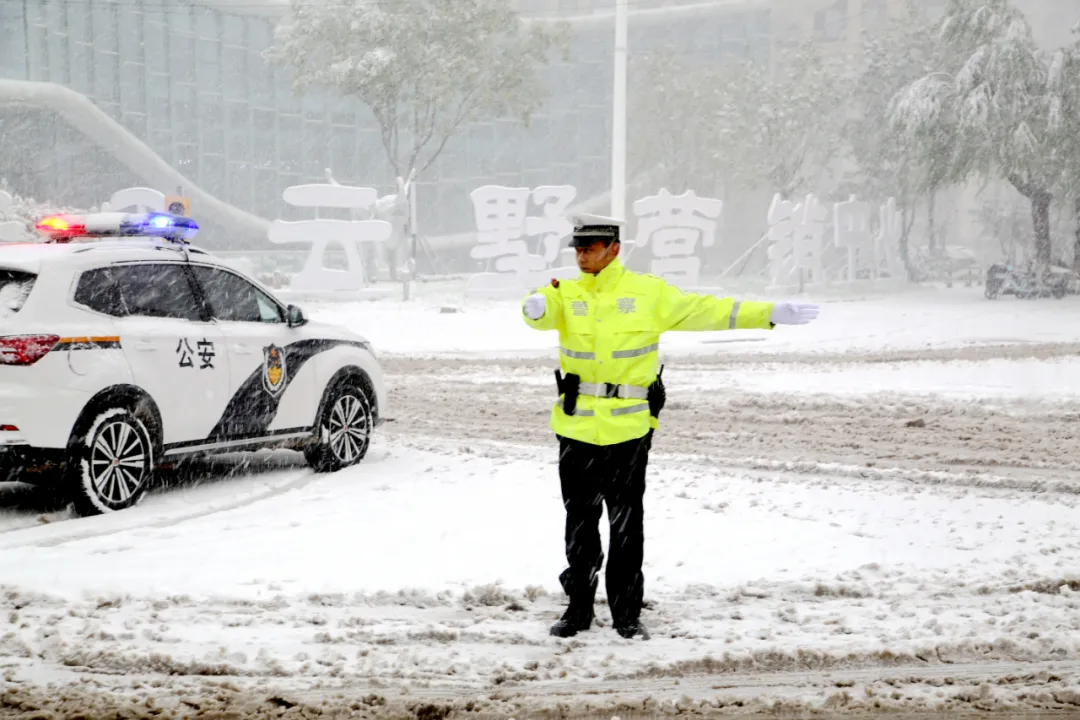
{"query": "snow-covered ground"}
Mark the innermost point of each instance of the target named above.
(878, 511)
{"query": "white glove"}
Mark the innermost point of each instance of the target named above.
(787, 313)
(535, 306)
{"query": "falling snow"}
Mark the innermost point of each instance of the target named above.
(876, 512)
(836, 512)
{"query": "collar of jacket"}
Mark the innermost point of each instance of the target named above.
(604, 280)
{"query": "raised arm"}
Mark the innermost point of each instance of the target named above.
(678, 310)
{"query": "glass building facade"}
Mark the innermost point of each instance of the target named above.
(190, 81)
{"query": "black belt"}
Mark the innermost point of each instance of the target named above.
(571, 387)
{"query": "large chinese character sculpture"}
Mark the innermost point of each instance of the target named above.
(394, 209)
(552, 226)
(504, 226)
(796, 235)
(672, 225)
(811, 217)
(321, 232)
(887, 240)
(10, 230)
(781, 243)
(851, 228)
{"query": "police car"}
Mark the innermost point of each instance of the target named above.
(123, 346)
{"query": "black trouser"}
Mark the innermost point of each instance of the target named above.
(592, 475)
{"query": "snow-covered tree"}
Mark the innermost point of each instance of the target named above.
(996, 111)
(747, 125)
(1064, 81)
(785, 124)
(425, 68)
(671, 137)
(886, 164)
(26, 211)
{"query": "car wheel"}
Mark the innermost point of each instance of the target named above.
(111, 465)
(344, 430)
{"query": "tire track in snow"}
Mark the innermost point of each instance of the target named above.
(776, 471)
(1003, 689)
(142, 516)
(1016, 443)
(75, 529)
(698, 686)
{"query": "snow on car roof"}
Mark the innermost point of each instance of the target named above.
(30, 256)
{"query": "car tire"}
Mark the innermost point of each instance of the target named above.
(110, 465)
(343, 433)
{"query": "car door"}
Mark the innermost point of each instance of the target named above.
(174, 349)
(275, 388)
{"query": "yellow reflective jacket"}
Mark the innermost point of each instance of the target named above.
(609, 331)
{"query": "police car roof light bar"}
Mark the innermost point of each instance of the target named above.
(63, 228)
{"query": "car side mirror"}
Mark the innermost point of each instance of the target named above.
(294, 316)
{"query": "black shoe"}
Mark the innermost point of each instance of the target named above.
(571, 623)
(629, 630)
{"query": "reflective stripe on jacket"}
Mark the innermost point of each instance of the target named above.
(609, 332)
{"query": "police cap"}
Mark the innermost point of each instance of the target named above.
(591, 228)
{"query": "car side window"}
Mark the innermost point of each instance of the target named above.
(234, 299)
(97, 289)
(160, 290)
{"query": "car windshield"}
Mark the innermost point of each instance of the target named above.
(15, 286)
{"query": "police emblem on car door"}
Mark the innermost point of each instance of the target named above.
(274, 369)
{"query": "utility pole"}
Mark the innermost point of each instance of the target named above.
(618, 119)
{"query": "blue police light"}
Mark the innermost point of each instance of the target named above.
(163, 225)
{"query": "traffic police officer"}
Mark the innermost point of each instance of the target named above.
(610, 320)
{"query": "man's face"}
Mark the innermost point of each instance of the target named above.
(596, 257)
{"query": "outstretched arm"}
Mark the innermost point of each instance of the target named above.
(542, 308)
(678, 310)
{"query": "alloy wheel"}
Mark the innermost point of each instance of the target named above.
(119, 461)
(350, 428)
